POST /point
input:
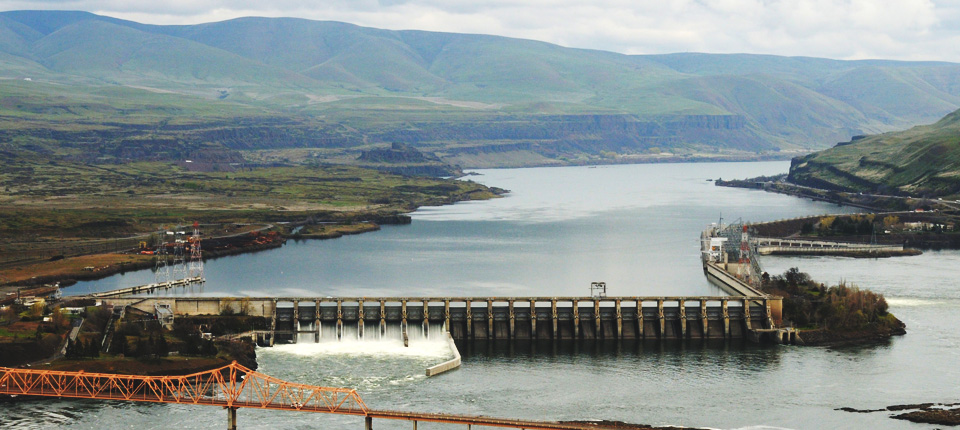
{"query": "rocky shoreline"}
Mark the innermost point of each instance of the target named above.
(824, 337)
(947, 414)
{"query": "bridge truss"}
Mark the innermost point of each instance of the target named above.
(230, 386)
(235, 386)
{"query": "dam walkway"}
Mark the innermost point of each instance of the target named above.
(768, 246)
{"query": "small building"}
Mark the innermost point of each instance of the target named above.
(164, 315)
(716, 248)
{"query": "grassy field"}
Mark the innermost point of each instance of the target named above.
(50, 210)
(921, 161)
(43, 200)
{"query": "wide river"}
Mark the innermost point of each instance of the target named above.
(634, 227)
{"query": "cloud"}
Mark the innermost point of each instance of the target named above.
(844, 29)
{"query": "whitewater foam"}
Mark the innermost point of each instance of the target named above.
(421, 348)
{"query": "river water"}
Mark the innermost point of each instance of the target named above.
(636, 228)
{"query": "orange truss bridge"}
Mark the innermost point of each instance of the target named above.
(235, 386)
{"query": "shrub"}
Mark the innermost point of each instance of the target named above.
(839, 307)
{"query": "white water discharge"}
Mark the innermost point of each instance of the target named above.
(434, 349)
(372, 364)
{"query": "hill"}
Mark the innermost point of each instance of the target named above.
(126, 90)
(921, 161)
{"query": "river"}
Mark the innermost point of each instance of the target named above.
(635, 227)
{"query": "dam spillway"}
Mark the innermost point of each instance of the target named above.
(294, 319)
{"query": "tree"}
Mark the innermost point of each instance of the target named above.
(36, 311)
(208, 348)
(226, 307)
(245, 307)
(161, 348)
(145, 349)
(826, 223)
(92, 349)
(58, 319)
(71, 350)
(119, 344)
(890, 221)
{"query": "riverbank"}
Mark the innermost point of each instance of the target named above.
(872, 202)
(68, 271)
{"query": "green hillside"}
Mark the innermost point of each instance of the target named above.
(921, 161)
(256, 83)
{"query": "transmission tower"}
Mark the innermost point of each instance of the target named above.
(196, 257)
(179, 255)
(162, 271)
(743, 268)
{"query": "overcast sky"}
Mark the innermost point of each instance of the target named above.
(842, 29)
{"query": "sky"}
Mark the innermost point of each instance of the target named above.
(840, 29)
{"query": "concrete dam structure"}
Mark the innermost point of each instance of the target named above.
(300, 319)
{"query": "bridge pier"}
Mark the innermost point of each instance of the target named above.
(368, 423)
(231, 417)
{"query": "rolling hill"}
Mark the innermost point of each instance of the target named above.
(254, 83)
(921, 161)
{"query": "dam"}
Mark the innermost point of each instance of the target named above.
(298, 319)
(747, 313)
